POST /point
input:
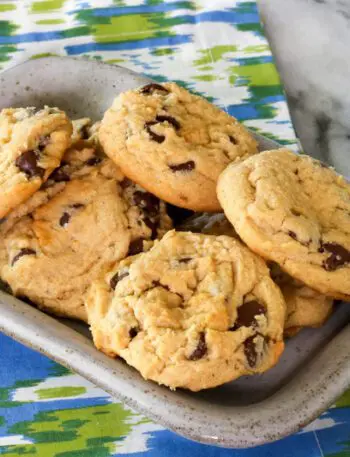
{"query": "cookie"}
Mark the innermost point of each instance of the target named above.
(32, 144)
(173, 143)
(77, 160)
(195, 311)
(305, 306)
(295, 211)
(91, 217)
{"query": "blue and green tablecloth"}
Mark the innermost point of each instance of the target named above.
(216, 48)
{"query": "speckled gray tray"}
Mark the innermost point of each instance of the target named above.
(313, 371)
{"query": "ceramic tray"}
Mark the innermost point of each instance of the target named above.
(313, 371)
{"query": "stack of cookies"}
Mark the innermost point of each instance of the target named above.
(190, 254)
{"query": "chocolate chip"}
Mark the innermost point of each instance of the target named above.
(201, 348)
(246, 314)
(44, 140)
(148, 202)
(136, 246)
(133, 332)
(292, 235)
(232, 139)
(177, 214)
(170, 120)
(154, 136)
(64, 219)
(22, 252)
(2, 220)
(116, 278)
(77, 205)
(93, 161)
(250, 351)
(185, 260)
(150, 88)
(27, 162)
(159, 119)
(59, 175)
(339, 256)
(186, 166)
(125, 183)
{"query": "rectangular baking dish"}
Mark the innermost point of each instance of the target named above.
(313, 371)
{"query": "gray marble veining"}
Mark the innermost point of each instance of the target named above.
(311, 43)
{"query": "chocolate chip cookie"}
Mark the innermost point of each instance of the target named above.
(77, 161)
(90, 217)
(32, 144)
(195, 311)
(295, 211)
(173, 143)
(305, 306)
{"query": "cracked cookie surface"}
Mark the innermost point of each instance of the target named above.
(32, 144)
(195, 311)
(86, 217)
(294, 210)
(305, 306)
(173, 143)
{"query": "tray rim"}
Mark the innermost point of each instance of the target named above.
(21, 322)
(47, 335)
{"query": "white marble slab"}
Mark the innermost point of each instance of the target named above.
(311, 43)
